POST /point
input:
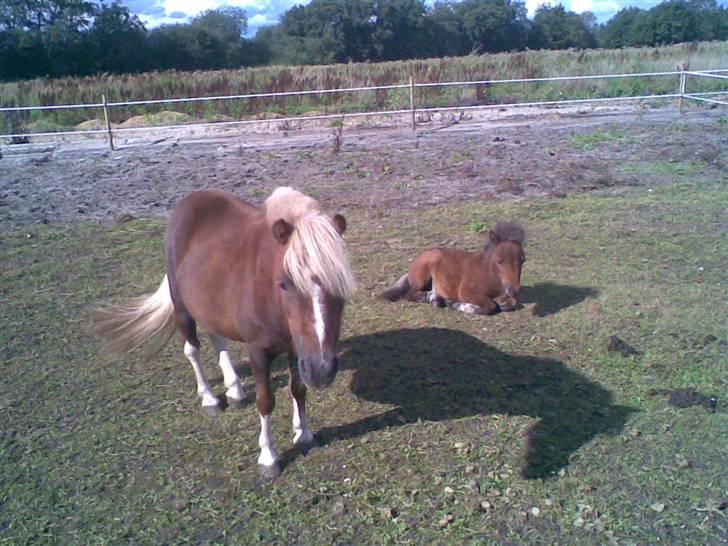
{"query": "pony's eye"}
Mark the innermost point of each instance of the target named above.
(283, 285)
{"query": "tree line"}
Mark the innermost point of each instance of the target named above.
(76, 37)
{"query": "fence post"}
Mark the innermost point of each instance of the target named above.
(108, 123)
(683, 78)
(412, 102)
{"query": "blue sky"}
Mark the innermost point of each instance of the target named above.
(266, 12)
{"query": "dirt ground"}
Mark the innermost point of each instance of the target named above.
(505, 155)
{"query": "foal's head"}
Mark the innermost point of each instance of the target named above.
(313, 280)
(505, 244)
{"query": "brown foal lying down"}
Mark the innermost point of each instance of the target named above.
(473, 282)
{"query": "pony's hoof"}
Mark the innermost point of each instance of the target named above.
(308, 447)
(270, 472)
(234, 403)
(212, 411)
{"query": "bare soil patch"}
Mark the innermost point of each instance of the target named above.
(445, 160)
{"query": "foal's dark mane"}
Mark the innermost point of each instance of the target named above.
(506, 231)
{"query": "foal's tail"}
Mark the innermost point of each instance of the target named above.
(142, 320)
(399, 289)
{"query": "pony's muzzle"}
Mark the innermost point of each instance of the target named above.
(318, 372)
(512, 290)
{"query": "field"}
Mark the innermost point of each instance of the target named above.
(276, 79)
(441, 427)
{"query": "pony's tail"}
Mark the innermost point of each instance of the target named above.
(399, 289)
(139, 321)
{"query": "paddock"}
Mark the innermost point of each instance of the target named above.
(441, 427)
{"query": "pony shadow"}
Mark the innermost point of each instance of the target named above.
(550, 298)
(437, 374)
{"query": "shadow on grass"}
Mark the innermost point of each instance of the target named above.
(436, 374)
(550, 298)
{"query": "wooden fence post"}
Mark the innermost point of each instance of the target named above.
(108, 122)
(412, 102)
(683, 78)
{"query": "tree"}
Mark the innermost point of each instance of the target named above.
(493, 25)
(446, 30)
(627, 28)
(327, 31)
(400, 30)
(118, 39)
(555, 28)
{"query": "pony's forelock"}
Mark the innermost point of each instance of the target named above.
(316, 253)
(508, 231)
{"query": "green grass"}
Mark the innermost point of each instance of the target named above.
(441, 427)
(591, 141)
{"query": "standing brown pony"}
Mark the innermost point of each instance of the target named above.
(473, 282)
(274, 277)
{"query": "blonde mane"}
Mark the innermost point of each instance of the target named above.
(315, 248)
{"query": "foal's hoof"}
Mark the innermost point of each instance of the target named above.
(270, 471)
(308, 447)
(212, 411)
(234, 403)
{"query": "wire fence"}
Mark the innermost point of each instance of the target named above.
(681, 93)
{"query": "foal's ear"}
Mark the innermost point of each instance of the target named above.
(494, 238)
(282, 231)
(340, 223)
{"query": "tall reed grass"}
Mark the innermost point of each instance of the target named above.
(527, 64)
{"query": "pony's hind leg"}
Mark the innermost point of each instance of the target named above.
(302, 437)
(234, 393)
(210, 403)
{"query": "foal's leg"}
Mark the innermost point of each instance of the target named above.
(210, 403)
(302, 436)
(488, 308)
(265, 401)
(234, 393)
(434, 297)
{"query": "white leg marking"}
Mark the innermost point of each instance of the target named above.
(432, 294)
(319, 324)
(268, 455)
(301, 434)
(467, 307)
(232, 381)
(203, 387)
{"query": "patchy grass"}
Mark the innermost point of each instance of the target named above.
(590, 141)
(441, 428)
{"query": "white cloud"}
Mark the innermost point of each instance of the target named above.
(533, 5)
(260, 12)
(580, 6)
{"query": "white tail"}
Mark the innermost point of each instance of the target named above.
(137, 322)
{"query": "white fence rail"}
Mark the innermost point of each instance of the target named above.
(681, 94)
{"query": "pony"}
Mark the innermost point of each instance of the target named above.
(275, 277)
(482, 282)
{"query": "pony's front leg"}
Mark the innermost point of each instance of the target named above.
(234, 393)
(265, 402)
(302, 437)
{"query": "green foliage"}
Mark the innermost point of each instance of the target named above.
(555, 28)
(74, 37)
(670, 22)
(529, 64)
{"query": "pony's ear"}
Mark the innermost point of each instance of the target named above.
(494, 238)
(282, 231)
(340, 223)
